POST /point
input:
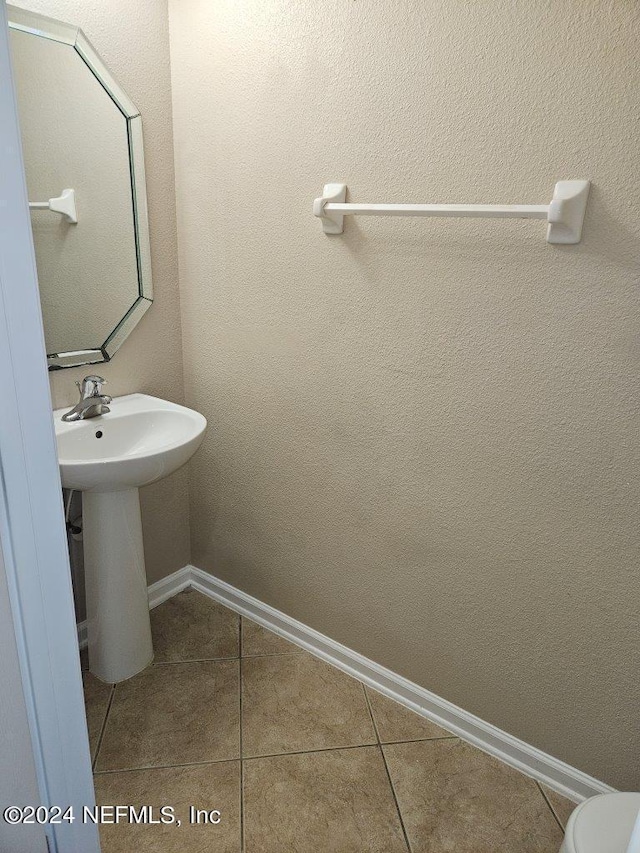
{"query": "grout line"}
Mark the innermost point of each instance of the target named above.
(370, 709)
(241, 749)
(277, 654)
(253, 757)
(192, 660)
(386, 767)
(395, 798)
(310, 751)
(418, 740)
(221, 660)
(103, 726)
(163, 766)
(548, 802)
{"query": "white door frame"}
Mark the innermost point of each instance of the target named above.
(31, 515)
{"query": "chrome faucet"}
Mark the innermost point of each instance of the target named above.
(92, 401)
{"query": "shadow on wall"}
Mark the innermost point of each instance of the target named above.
(604, 236)
(73, 517)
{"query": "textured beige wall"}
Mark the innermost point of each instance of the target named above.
(423, 434)
(133, 41)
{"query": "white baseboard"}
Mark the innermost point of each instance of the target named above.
(561, 777)
(168, 587)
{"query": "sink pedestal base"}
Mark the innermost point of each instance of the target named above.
(118, 625)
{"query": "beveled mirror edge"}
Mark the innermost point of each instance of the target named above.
(104, 76)
(51, 28)
(126, 326)
(58, 361)
(41, 25)
(140, 210)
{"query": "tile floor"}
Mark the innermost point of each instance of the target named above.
(295, 755)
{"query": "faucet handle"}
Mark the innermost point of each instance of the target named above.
(91, 386)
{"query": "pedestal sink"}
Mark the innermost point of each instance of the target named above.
(141, 440)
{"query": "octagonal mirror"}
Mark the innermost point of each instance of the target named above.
(82, 144)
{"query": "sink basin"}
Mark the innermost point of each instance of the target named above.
(139, 441)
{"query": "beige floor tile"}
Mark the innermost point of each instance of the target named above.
(191, 626)
(256, 640)
(96, 702)
(293, 703)
(396, 723)
(338, 801)
(178, 714)
(453, 797)
(561, 806)
(208, 786)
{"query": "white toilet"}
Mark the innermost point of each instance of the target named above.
(602, 824)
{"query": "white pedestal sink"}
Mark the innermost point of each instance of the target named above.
(141, 440)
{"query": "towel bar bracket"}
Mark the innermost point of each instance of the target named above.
(64, 204)
(332, 223)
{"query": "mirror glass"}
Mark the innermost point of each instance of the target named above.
(82, 144)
